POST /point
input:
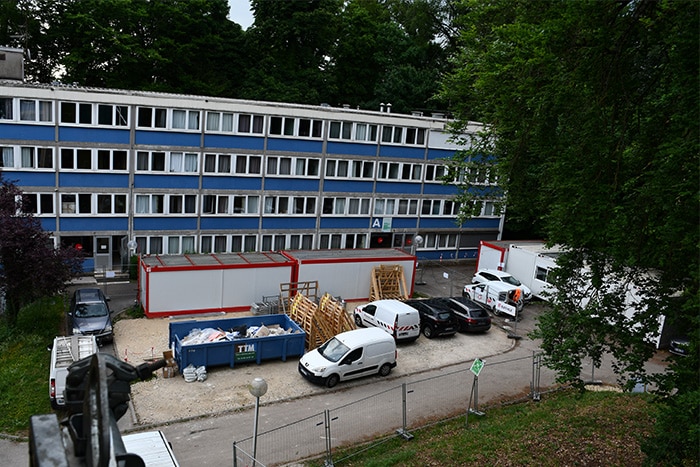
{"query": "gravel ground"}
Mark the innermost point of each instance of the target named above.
(161, 400)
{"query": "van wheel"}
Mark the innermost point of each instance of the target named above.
(358, 321)
(332, 380)
(428, 332)
(384, 370)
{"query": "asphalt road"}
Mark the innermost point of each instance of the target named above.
(208, 441)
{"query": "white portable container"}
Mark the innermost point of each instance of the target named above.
(350, 355)
(400, 320)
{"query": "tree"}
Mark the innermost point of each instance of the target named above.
(592, 127)
(30, 267)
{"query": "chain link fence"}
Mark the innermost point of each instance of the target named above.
(368, 422)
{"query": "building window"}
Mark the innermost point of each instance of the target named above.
(183, 162)
(150, 117)
(72, 112)
(185, 119)
(150, 161)
(6, 112)
(112, 115)
(111, 204)
(297, 166)
(408, 207)
(435, 173)
(243, 243)
(109, 160)
(76, 203)
(76, 159)
(244, 204)
(182, 204)
(215, 204)
(38, 203)
(33, 110)
(338, 241)
(251, 123)
(384, 207)
(149, 204)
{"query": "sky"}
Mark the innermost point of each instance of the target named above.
(240, 13)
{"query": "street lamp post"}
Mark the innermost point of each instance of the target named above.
(257, 389)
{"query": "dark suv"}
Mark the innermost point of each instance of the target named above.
(434, 321)
(470, 315)
(89, 315)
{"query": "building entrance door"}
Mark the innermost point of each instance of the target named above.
(103, 254)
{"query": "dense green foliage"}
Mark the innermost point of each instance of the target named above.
(566, 428)
(357, 52)
(591, 114)
(24, 363)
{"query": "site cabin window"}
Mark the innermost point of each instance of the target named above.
(111, 159)
(38, 203)
(541, 273)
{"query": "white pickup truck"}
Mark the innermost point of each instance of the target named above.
(64, 352)
(497, 296)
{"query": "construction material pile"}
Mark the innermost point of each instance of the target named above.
(388, 282)
(320, 321)
(202, 336)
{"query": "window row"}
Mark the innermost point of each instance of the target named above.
(85, 113)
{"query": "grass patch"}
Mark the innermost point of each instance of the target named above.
(24, 363)
(565, 428)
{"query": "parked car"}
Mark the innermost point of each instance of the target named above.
(487, 275)
(434, 320)
(471, 317)
(679, 346)
(89, 315)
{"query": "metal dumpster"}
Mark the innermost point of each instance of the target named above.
(239, 350)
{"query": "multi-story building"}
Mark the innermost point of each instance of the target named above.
(113, 171)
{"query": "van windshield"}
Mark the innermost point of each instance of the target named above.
(333, 350)
(511, 280)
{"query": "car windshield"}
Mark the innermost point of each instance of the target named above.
(333, 350)
(91, 310)
(510, 280)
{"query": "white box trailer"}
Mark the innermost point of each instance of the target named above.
(152, 447)
(529, 262)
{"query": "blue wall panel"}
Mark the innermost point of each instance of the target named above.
(334, 223)
(440, 154)
(93, 135)
(436, 189)
(48, 223)
(399, 151)
(398, 188)
(288, 223)
(38, 132)
(229, 223)
(166, 181)
(234, 142)
(352, 149)
(93, 223)
(403, 223)
(31, 178)
(289, 184)
(165, 223)
(294, 145)
(483, 223)
(171, 138)
(349, 186)
(93, 180)
(231, 183)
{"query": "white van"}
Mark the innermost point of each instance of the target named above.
(350, 355)
(497, 296)
(393, 316)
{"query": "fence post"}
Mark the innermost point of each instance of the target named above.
(235, 455)
(402, 431)
(535, 382)
(329, 457)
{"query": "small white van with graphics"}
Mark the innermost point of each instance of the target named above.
(393, 316)
(350, 355)
(497, 296)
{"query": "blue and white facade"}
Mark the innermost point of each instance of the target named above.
(183, 174)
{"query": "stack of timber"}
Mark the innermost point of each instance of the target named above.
(322, 321)
(388, 282)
